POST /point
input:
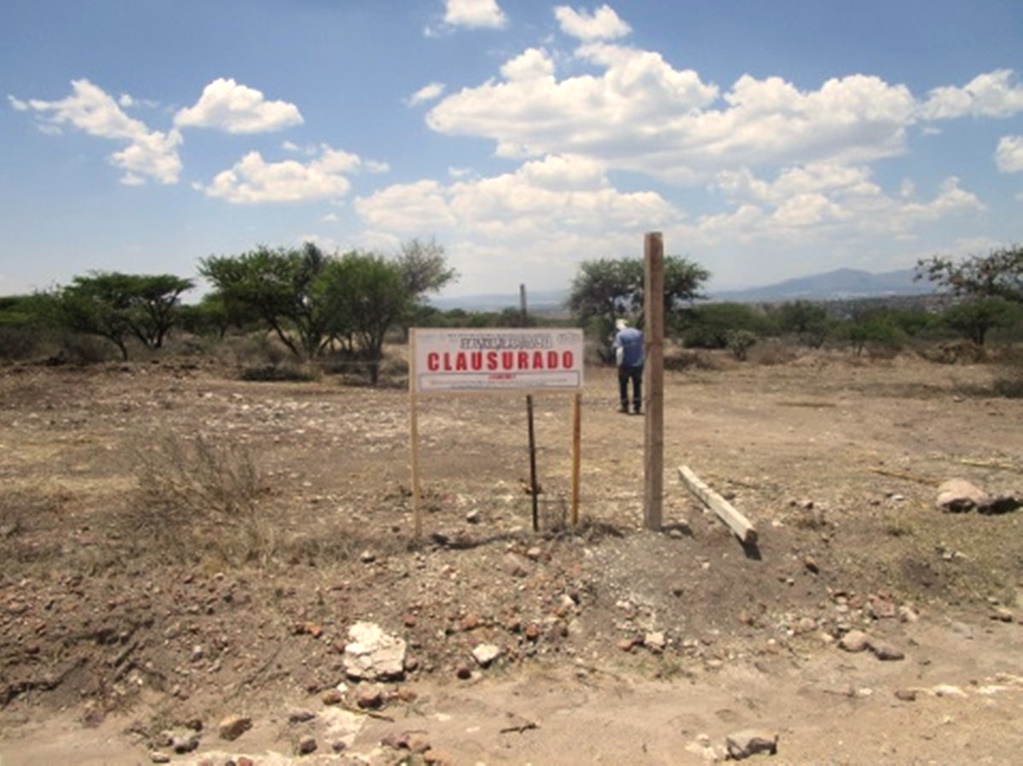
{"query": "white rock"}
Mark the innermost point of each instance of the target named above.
(373, 655)
(484, 654)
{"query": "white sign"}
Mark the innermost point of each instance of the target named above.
(465, 359)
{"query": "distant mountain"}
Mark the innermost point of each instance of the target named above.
(832, 285)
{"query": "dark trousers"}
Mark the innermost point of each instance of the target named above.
(635, 374)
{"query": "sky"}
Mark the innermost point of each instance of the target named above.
(764, 140)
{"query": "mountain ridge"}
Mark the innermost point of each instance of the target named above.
(842, 283)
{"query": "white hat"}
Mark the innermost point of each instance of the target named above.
(621, 324)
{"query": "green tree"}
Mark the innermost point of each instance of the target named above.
(999, 274)
(607, 288)
(282, 287)
(118, 306)
(711, 325)
(806, 320)
(423, 269)
(22, 324)
(367, 297)
(975, 318)
(876, 328)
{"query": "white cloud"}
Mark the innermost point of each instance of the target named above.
(253, 180)
(149, 154)
(430, 92)
(602, 24)
(1009, 155)
(640, 114)
(228, 106)
(993, 94)
(545, 217)
(475, 14)
(827, 202)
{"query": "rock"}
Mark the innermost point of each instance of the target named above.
(306, 745)
(372, 655)
(743, 744)
(886, 652)
(905, 695)
(1002, 614)
(514, 565)
(882, 608)
(417, 743)
(463, 672)
(331, 697)
(1003, 504)
(959, 496)
(854, 641)
(628, 644)
(655, 641)
(369, 696)
(484, 654)
(473, 517)
(233, 727)
(301, 716)
(436, 757)
(158, 757)
(182, 741)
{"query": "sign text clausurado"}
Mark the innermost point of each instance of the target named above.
(470, 359)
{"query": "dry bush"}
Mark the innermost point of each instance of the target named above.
(198, 499)
(954, 352)
(770, 353)
(679, 360)
(26, 516)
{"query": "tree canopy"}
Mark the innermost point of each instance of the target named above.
(998, 274)
(313, 301)
(282, 287)
(607, 288)
(118, 306)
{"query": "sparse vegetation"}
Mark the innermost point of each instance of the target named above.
(200, 498)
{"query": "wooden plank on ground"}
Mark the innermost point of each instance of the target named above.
(724, 510)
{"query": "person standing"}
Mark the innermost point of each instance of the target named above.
(628, 345)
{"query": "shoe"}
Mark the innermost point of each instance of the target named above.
(637, 412)
(623, 410)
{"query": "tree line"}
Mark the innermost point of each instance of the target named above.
(314, 303)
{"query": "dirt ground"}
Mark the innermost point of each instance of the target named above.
(179, 546)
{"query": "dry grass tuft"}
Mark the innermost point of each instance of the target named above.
(199, 499)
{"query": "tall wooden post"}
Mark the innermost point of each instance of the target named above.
(413, 406)
(523, 311)
(653, 379)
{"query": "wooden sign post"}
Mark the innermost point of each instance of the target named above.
(653, 374)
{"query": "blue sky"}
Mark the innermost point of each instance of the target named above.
(765, 140)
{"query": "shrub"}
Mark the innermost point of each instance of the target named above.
(740, 342)
(200, 499)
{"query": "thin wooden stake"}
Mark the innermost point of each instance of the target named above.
(532, 463)
(577, 419)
